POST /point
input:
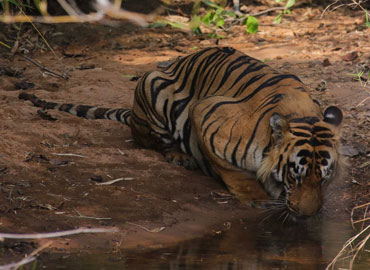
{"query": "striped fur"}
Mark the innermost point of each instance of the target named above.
(237, 119)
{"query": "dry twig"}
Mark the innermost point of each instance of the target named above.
(45, 70)
(366, 215)
(335, 5)
(54, 234)
(89, 217)
(104, 9)
(356, 244)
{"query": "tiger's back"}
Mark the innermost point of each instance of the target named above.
(203, 85)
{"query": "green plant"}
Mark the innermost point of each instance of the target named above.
(6, 5)
(214, 18)
(252, 25)
(216, 15)
(363, 76)
(288, 5)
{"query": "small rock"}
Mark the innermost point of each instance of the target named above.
(96, 178)
(321, 87)
(349, 151)
(350, 56)
(86, 66)
(326, 62)
(59, 162)
(24, 85)
(11, 72)
(45, 115)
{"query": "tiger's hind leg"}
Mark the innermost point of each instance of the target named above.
(149, 136)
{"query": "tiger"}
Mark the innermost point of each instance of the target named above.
(236, 119)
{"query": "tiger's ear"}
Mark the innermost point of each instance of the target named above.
(279, 125)
(333, 115)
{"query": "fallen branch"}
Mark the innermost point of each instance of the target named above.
(155, 230)
(69, 155)
(114, 181)
(54, 234)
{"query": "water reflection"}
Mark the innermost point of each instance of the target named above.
(253, 247)
(247, 245)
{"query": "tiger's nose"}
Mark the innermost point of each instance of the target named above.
(309, 204)
(306, 201)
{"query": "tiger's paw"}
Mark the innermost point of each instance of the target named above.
(181, 159)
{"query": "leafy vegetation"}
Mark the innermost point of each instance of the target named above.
(289, 4)
(6, 5)
(214, 18)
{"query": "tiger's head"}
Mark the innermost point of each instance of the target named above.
(303, 157)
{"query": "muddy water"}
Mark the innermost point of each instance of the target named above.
(308, 245)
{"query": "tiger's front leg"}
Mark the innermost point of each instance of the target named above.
(177, 157)
(243, 185)
(221, 131)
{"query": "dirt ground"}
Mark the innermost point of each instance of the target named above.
(157, 204)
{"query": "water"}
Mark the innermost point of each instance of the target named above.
(308, 245)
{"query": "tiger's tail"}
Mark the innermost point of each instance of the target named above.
(88, 112)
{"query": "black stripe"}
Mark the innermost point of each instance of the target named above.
(286, 148)
(301, 134)
(278, 165)
(267, 83)
(211, 139)
(248, 83)
(324, 142)
(284, 171)
(301, 88)
(254, 67)
(66, 107)
(82, 110)
(324, 154)
(303, 127)
(308, 119)
(316, 101)
(304, 153)
(302, 142)
(233, 156)
(275, 98)
(324, 135)
(186, 136)
(251, 138)
(230, 138)
(320, 128)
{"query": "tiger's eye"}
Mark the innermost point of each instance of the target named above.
(303, 161)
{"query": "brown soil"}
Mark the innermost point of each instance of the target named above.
(44, 192)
